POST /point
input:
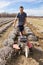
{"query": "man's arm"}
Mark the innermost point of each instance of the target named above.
(15, 21)
(26, 21)
(17, 17)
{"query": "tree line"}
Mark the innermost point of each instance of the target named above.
(8, 14)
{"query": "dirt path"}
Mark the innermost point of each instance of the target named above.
(35, 59)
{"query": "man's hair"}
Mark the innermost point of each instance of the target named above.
(21, 7)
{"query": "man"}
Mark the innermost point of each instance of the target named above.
(21, 17)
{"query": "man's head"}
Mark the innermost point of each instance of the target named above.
(21, 9)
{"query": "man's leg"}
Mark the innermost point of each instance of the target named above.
(21, 30)
(20, 34)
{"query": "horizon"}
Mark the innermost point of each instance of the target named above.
(31, 7)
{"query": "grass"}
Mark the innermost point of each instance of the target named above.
(37, 22)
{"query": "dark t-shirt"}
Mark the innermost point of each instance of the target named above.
(21, 18)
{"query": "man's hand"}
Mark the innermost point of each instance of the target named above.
(14, 22)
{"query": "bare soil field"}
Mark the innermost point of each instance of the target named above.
(36, 59)
(38, 22)
(5, 34)
(36, 26)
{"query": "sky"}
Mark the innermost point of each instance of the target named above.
(31, 7)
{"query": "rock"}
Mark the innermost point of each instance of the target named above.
(12, 36)
(5, 53)
(27, 29)
(22, 39)
(10, 42)
(5, 43)
(2, 62)
(30, 33)
(32, 38)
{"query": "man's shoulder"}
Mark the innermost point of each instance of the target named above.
(18, 14)
(25, 14)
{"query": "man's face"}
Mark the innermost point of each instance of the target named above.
(21, 10)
